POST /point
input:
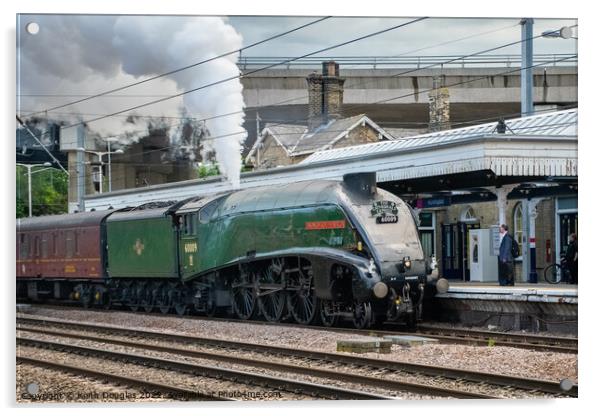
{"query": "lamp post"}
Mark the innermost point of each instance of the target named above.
(526, 72)
(29, 168)
(100, 155)
(109, 141)
(530, 204)
(565, 33)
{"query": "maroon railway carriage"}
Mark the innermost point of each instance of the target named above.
(56, 253)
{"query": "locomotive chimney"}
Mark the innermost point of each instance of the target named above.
(362, 184)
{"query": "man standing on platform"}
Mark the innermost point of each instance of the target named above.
(505, 259)
(571, 258)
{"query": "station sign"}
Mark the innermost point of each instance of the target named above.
(423, 203)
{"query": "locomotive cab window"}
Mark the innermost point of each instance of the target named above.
(208, 210)
(188, 224)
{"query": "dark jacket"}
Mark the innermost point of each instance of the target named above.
(570, 252)
(506, 249)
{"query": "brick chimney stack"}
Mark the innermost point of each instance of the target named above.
(314, 89)
(439, 107)
(325, 95)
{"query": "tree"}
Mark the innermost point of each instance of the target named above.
(208, 170)
(48, 192)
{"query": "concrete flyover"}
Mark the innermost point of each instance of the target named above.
(366, 86)
(476, 93)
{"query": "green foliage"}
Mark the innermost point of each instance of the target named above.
(243, 167)
(208, 170)
(48, 192)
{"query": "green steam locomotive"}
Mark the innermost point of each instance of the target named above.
(310, 252)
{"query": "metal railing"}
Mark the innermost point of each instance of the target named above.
(384, 62)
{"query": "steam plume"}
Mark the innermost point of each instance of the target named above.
(82, 55)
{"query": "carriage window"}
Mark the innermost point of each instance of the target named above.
(69, 244)
(36, 246)
(24, 246)
(55, 247)
(76, 242)
(44, 245)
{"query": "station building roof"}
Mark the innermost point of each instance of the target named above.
(541, 145)
(297, 140)
(559, 123)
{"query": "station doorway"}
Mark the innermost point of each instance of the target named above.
(568, 226)
(454, 258)
(566, 223)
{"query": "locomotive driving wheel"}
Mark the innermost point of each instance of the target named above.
(362, 315)
(328, 316)
(244, 300)
(302, 302)
(272, 303)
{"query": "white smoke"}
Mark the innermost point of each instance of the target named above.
(202, 38)
(87, 54)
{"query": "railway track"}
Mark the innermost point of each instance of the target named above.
(314, 364)
(530, 341)
(240, 377)
(165, 389)
(447, 335)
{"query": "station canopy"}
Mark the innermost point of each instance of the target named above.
(541, 147)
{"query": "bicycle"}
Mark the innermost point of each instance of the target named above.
(556, 273)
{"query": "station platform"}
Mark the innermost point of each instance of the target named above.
(525, 306)
(527, 292)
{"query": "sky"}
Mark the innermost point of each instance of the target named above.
(73, 56)
(426, 33)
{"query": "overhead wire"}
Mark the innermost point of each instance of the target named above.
(419, 92)
(328, 48)
(437, 64)
(174, 71)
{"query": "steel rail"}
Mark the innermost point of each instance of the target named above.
(452, 336)
(564, 344)
(174, 392)
(288, 368)
(429, 370)
(243, 377)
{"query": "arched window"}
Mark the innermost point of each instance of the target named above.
(468, 215)
(518, 227)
